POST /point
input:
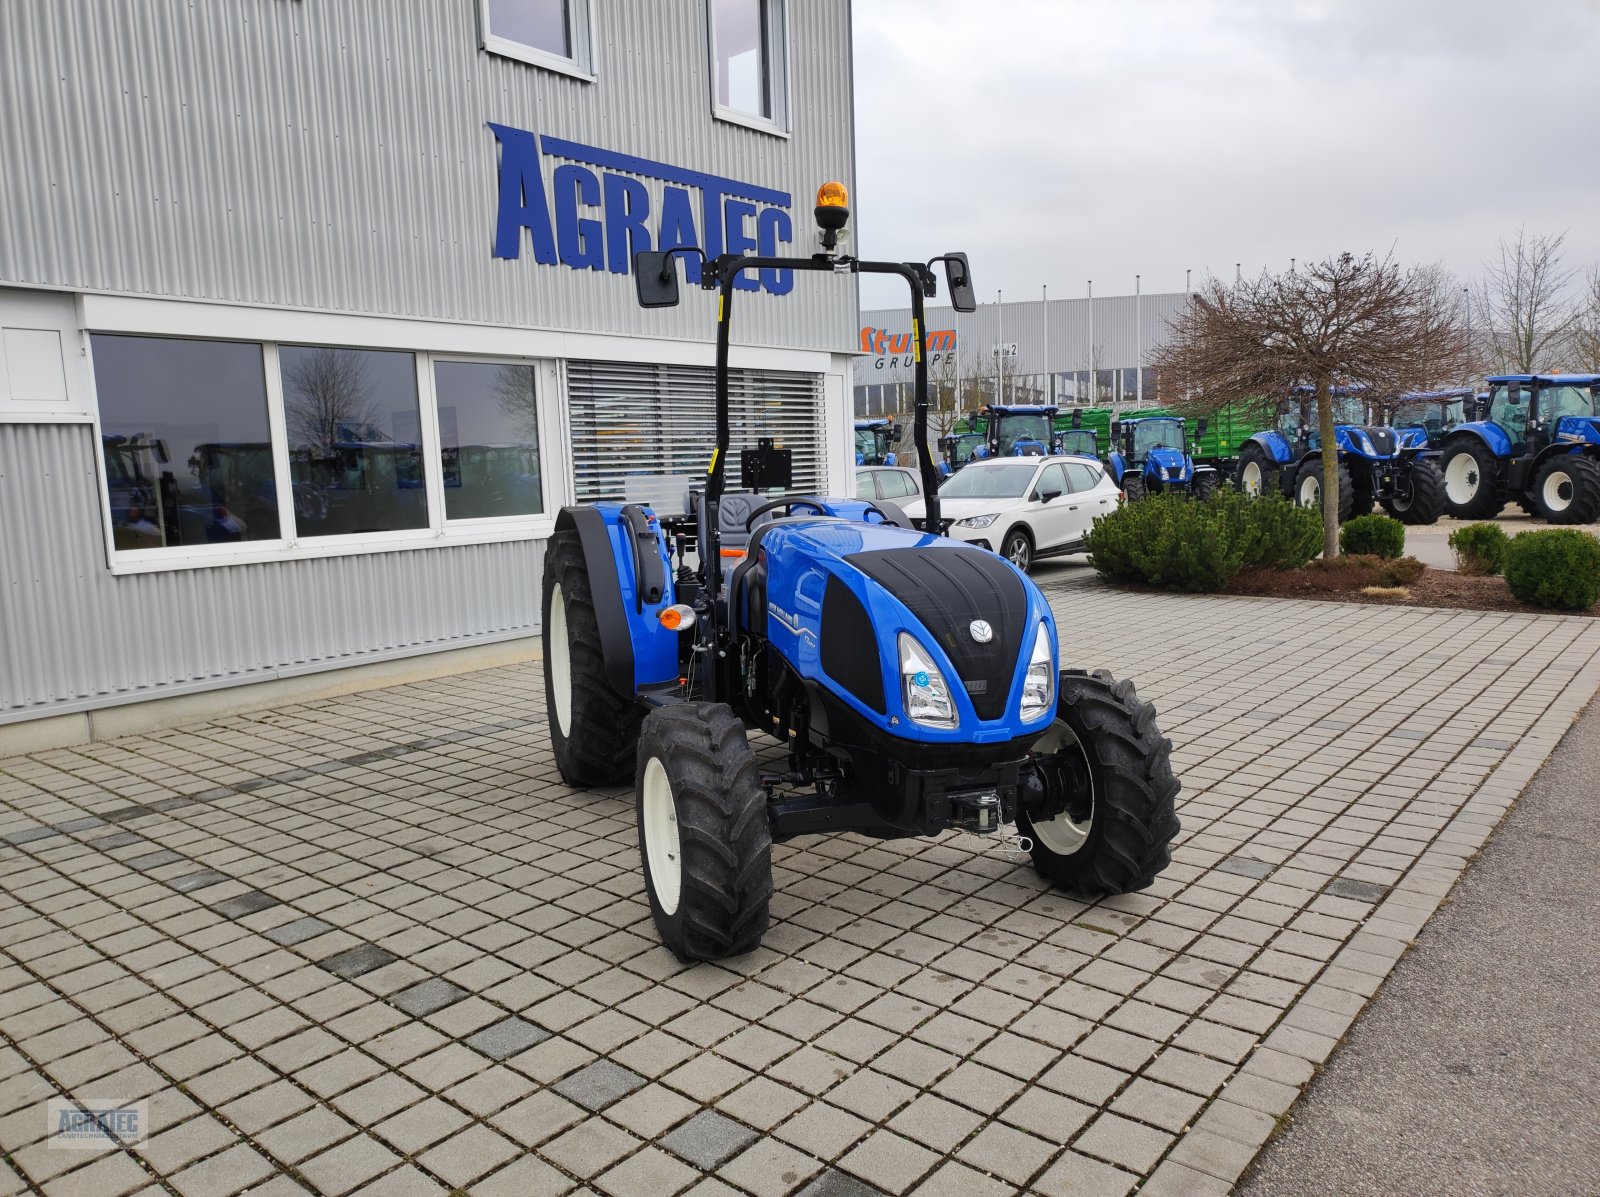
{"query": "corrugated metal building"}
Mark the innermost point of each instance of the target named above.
(1035, 351)
(312, 314)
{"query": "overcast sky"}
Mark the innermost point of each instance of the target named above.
(1062, 140)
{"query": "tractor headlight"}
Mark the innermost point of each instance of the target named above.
(1039, 683)
(977, 521)
(923, 688)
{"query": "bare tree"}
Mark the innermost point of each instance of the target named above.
(518, 402)
(1585, 339)
(1523, 306)
(1345, 321)
(327, 397)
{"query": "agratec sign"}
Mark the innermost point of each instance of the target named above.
(595, 214)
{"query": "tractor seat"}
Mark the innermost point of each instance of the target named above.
(732, 512)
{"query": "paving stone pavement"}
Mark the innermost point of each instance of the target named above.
(373, 945)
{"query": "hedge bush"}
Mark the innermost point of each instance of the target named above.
(1555, 567)
(1182, 544)
(1479, 548)
(1374, 536)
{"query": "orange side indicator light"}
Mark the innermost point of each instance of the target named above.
(677, 618)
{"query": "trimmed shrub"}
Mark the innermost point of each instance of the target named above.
(1181, 544)
(1479, 548)
(1375, 536)
(1555, 567)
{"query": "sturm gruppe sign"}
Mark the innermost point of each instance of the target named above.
(594, 212)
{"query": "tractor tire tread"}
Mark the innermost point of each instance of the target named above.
(601, 748)
(1585, 505)
(1488, 502)
(1135, 820)
(724, 833)
(1427, 496)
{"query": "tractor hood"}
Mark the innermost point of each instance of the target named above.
(1372, 443)
(1166, 463)
(840, 593)
(1578, 430)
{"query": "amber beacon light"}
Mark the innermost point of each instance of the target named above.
(833, 212)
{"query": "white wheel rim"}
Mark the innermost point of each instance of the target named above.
(1063, 834)
(1461, 478)
(560, 662)
(1311, 492)
(1554, 499)
(661, 836)
(1251, 477)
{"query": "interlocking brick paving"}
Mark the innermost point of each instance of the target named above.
(373, 945)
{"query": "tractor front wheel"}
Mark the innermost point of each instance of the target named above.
(703, 831)
(1425, 503)
(1206, 485)
(1567, 490)
(1103, 815)
(1471, 481)
(1133, 486)
(1258, 474)
(593, 729)
(1308, 488)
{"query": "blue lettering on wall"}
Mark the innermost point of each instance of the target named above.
(602, 219)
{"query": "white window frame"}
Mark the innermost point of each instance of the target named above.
(289, 545)
(580, 65)
(544, 383)
(778, 76)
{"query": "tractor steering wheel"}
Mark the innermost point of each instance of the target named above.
(788, 505)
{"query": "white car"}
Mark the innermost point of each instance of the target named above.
(1025, 507)
(887, 482)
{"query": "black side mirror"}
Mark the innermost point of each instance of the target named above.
(959, 275)
(655, 279)
(1077, 418)
(1199, 428)
(1048, 495)
(1514, 394)
(1116, 429)
(896, 431)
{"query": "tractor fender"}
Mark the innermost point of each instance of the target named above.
(637, 650)
(1587, 449)
(1490, 434)
(1276, 445)
(1118, 465)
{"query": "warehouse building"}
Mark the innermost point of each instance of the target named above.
(313, 314)
(1032, 351)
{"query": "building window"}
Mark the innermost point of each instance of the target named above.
(355, 440)
(488, 440)
(547, 33)
(187, 442)
(750, 62)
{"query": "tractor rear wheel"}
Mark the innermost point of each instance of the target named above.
(1471, 481)
(1567, 490)
(1258, 474)
(704, 837)
(1425, 503)
(593, 729)
(1308, 487)
(1108, 768)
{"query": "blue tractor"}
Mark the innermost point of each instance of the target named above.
(875, 442)
(1154, 458)
(1538, 446)
(1427, 417)
(1017, 430)
(909, 681)
(1378, 465)
(956, 450)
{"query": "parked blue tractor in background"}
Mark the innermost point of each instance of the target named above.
(1538, 446)
(875, 442)
(1378, 465)
(1016, 430)
(956, 450)
(1427, 417)
(910, 679)
(1153, 458)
